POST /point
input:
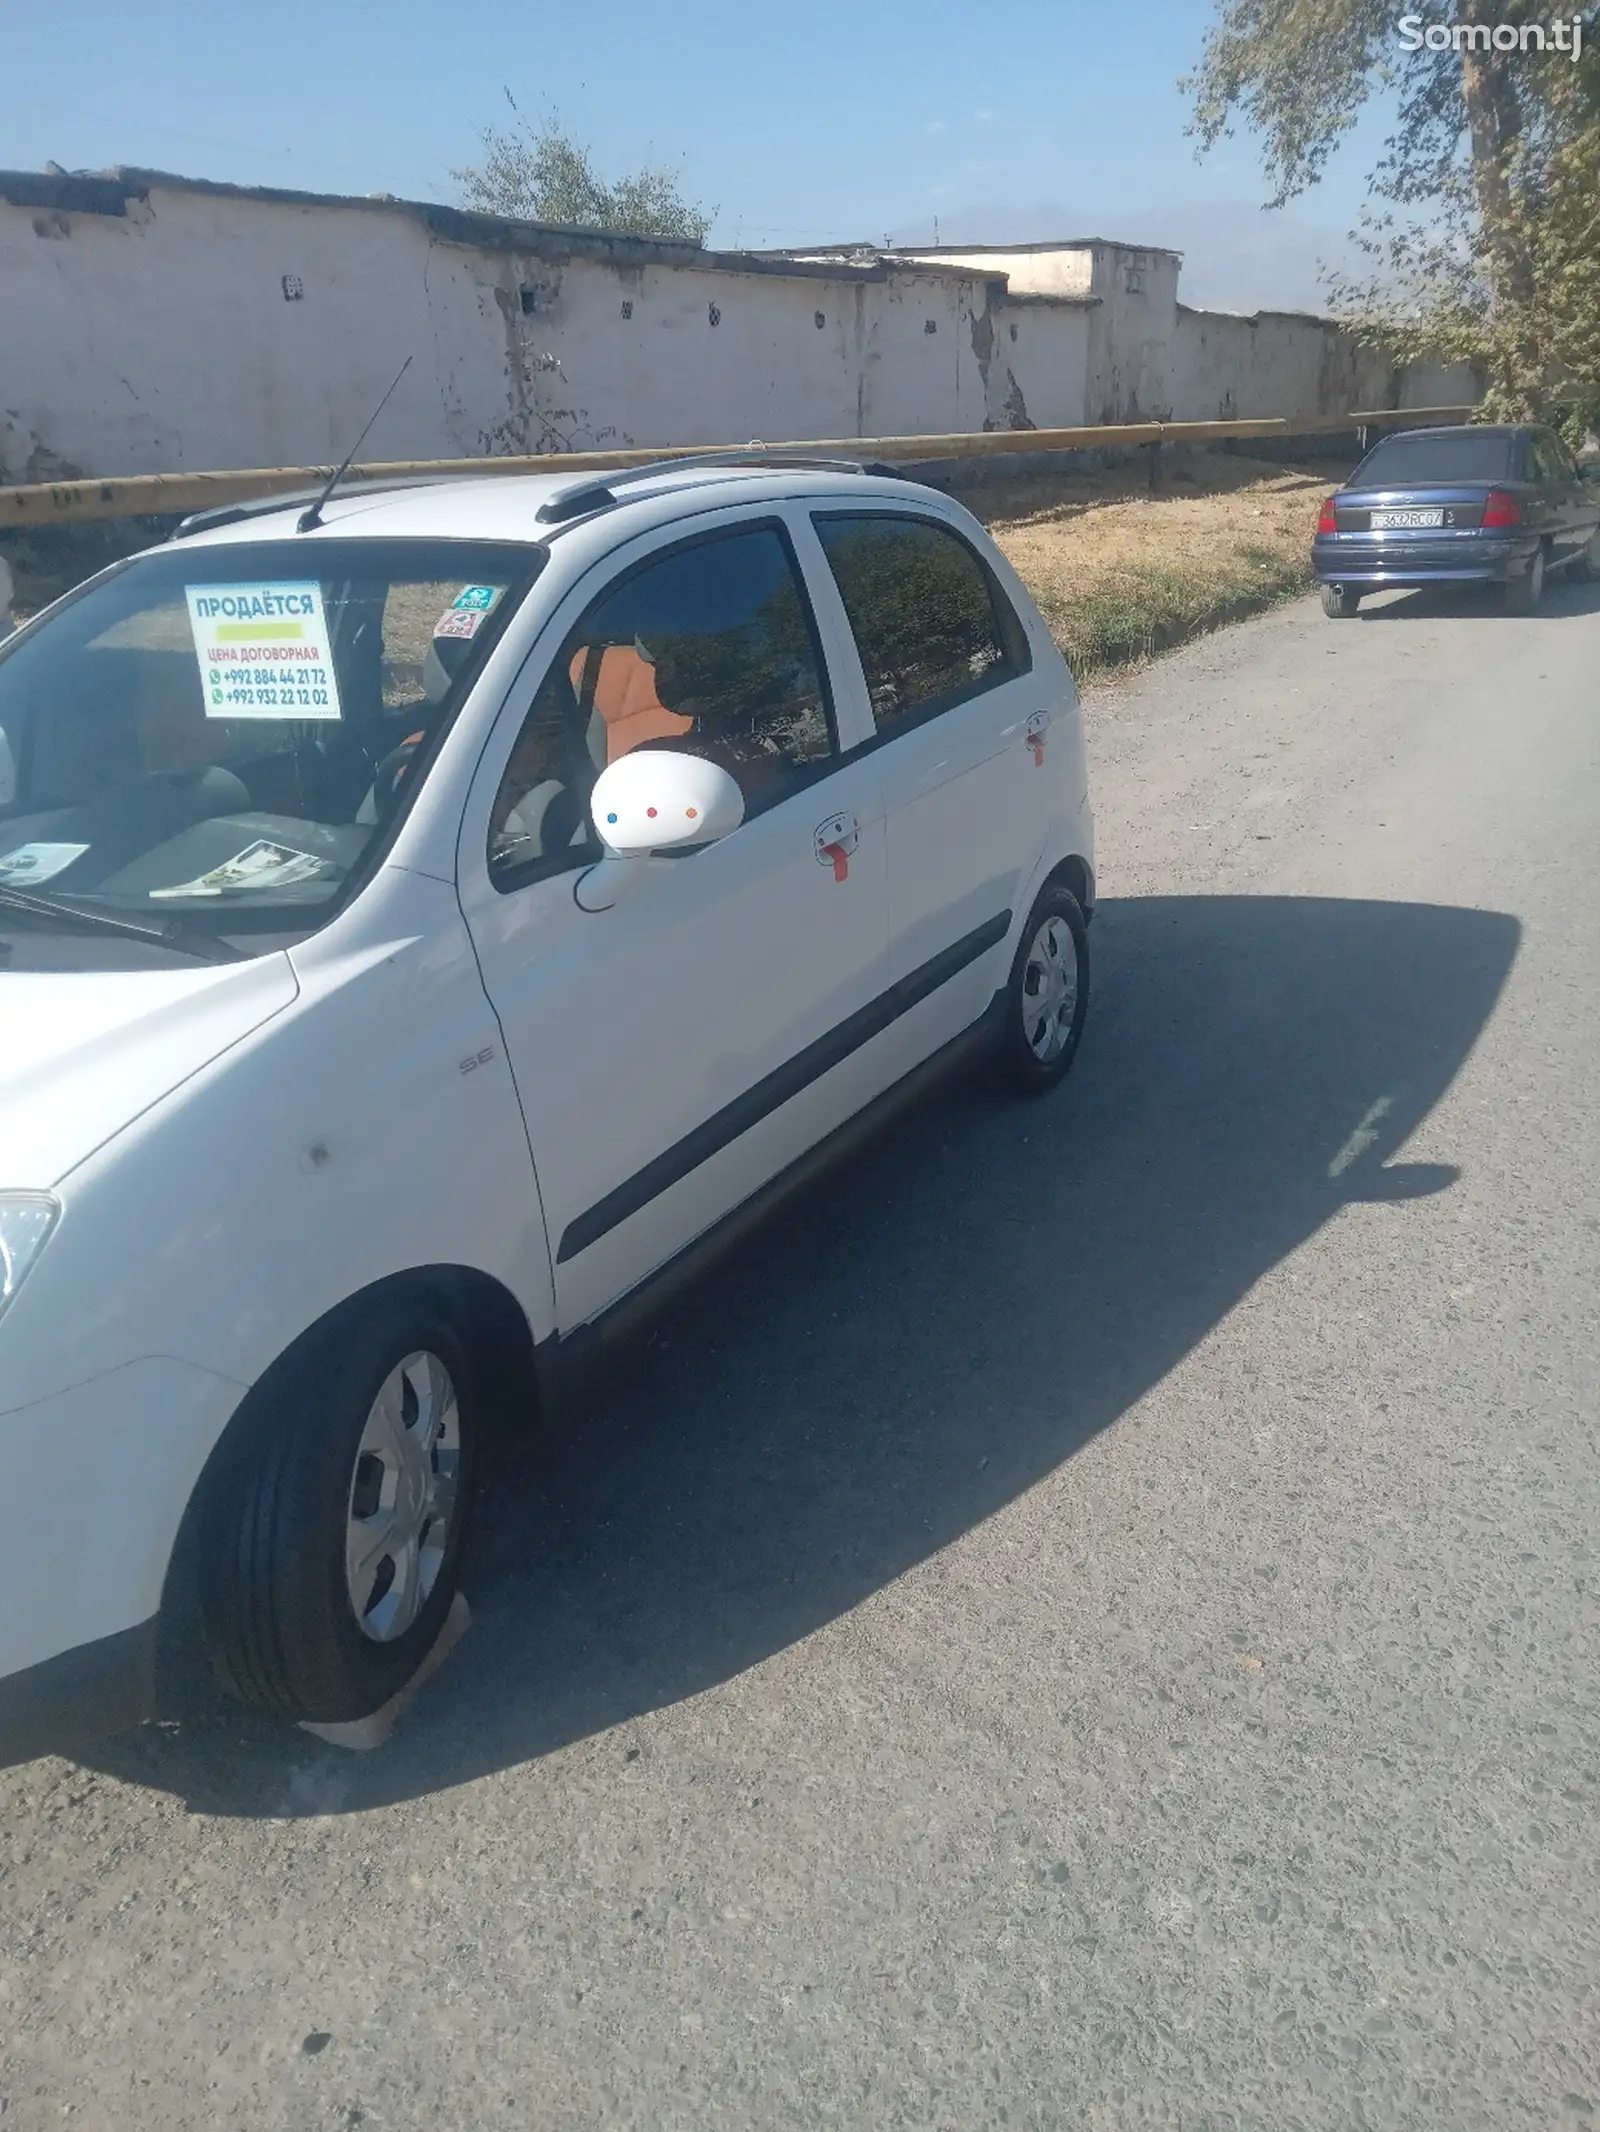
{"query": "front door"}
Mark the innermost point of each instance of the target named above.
(676, 1051)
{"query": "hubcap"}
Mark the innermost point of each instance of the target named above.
(1050, 990)
(402, 1497)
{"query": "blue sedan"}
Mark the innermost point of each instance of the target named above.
(1460, 506)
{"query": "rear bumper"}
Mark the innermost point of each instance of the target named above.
(80, 1695)
(1355, 559)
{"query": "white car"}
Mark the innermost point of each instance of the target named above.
(422, 918)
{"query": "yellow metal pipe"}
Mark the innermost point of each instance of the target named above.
(53, 503)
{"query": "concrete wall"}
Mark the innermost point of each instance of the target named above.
(1131, 333)
(152, 324)
(149, 330)
(1038, 361)
(1288, 363)
(1063, 269)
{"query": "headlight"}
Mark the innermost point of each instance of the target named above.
(26, 1219)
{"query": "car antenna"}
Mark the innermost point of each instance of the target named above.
(312, 516)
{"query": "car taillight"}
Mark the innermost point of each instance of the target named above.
(1501, 509)
(1326, 521)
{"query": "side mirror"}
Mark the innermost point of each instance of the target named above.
(654, 800)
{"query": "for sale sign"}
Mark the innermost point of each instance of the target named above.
(263, 650)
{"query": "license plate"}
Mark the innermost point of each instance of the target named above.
(1393, 521)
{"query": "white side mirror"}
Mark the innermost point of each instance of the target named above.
(654, 800)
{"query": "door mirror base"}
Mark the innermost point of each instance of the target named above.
(610, 881)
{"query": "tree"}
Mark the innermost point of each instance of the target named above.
(1482, 231)
(541, 174)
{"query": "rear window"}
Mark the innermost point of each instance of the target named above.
(1400, 462)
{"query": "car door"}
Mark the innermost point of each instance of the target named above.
(675, 1051)
(1576, 497)
(962, 715)
(1557, 516)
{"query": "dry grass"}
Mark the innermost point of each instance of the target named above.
(1121, 573)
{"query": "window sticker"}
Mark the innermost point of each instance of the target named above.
(263, 650)
(259, 865)
(480, 598)
(38, 862)
(458, 622)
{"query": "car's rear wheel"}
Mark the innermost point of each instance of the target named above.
(1047, 996)
(333, 1535)
(1340, 601)
(1524, 593)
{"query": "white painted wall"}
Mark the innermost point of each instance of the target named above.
(1287, 363)
(1039, 363)
(159, 338)
(1031, 269)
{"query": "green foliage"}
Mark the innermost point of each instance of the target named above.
(541, 174)
(1483, 239)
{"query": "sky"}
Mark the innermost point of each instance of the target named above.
(839, 119)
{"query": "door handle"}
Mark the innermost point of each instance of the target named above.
(1034, 735)
(835, 840)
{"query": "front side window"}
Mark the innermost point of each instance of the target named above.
(214, 737)
(930, 623)
(708, 650)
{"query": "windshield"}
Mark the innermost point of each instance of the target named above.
(218, 736)
(1451, 455)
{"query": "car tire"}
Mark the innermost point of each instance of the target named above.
(1524, 593)
(1340, 601)
(332, 1538)
(1046, 995)
(1586, 565)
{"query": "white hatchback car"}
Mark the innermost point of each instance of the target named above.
(420, 922)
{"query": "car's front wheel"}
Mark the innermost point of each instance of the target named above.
(1048, 994)
(1524, 593)
(333, 1534)
(1340, 601)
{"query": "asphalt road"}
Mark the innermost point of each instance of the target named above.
(1090, 1623)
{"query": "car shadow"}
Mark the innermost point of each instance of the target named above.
(1563, 598)
(929, 1330)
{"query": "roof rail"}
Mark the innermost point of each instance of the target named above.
(227, 514)
(597, 492)
(583, 494)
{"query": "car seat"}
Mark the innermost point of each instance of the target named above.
(616, 690)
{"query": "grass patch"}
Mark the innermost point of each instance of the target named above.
(1149, 608)
(1121, 574)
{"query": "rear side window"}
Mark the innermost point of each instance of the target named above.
(1448, 455)
(707, 650)
(930, 622)
(1548, 461)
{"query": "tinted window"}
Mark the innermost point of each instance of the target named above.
(216, 735)
(1551, 463)
(931, 625)
(709, 651)
(1447, 455)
